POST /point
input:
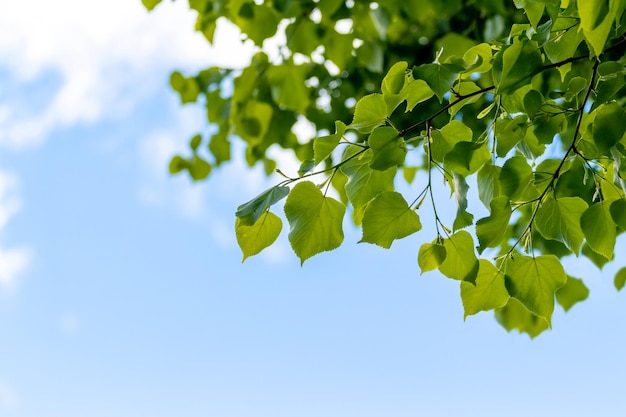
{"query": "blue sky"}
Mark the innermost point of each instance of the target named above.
(122, 291)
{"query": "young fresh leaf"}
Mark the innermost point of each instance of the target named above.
(252, 239)
(574, 291)
(388, 217)
(515, 316)
(460, 262)
(488, 293)
(599, 229)
(370, 112)
(325, 145)
(490, 230)
(439, 77)
(618, 213)
(534, 280)
(315, 221)
(520, 62)
(365, 183)
(466, 158)
(430, 256)
(559, 219)
(609, 125)
(388, 148)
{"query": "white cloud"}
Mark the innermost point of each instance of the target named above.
(107, 56)
(13, 261)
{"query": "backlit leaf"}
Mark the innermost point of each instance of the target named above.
(439, 77)
(515, 316)
(389, 217)
(488, 293)
(315, 221)
(430, 256)
(252, 239)
(370, 112)
(365, 183)
(490, 230)
(325, 145)
(461, 262)
(520, 62)
(559, 219)
(574, 291)
(534, 280)
(388, 148)
(599, 229)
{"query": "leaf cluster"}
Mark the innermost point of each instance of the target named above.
(525, 99)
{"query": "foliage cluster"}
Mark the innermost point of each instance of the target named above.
(527, 97)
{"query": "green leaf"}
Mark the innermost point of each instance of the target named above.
(574, 291)
(490, 230)
(620, 279)
(187, 88)
(324, 146)
(609, 125)
(509, 132)
(463, 218)
(370, 112)
(338, 48)
(597, 259)
(488, 293)
(198, 168)
(596, 19)
(388, 148)
(534, 12)
(388, 217)
(465, 158)
(516, 180)
(288, 87)
(439, 77)
(460, 262)
(559, 219)
(515, 316)
(150, 4)
(444, 139)
(365, 183)
(520, 62)
(177, 164)
(393, 86)
(464, 88)
(252, 211)
(315, 221)
(534, 280)
(417, 91)
(430, 256)
(258, 21)
(488, 183)
(252, 239)
(599, 229)
(618, 213)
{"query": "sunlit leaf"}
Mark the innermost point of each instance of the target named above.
(559, 219)
(387, 218)
(430, 256)
(252, 239)
(460, 262)
(315, 221)
(574, 291)
(533, 281)
(487, 293)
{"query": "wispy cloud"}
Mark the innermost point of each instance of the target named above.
(13, 261)
(105, 57)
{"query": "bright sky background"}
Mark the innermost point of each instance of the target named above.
(122, 292)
